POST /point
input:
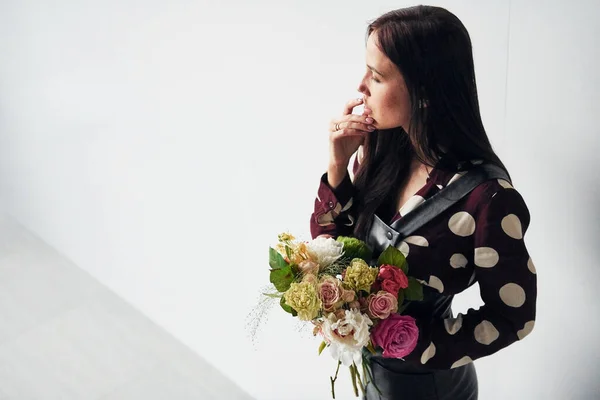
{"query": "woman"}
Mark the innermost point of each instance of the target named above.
(421, 131)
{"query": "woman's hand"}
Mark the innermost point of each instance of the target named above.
(347, 134)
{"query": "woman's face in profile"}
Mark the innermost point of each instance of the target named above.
(384, 90)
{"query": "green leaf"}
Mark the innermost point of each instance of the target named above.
(401, 298)
(414, 291)
(282, 278)
(393, 256)
(276, 261)
(287, 308)
(403, 307)
(322, 347)
(295, 269)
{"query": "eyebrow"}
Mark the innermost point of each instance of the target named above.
(373, 69)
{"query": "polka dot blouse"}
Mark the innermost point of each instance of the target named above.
(478, 239)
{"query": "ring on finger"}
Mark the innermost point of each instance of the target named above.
(337, 126)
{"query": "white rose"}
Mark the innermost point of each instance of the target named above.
(347, 336)
(324, 251)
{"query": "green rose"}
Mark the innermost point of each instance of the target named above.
(303, 298)
(355, 248)
(359, 276)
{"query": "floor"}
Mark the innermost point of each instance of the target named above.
(63, 335)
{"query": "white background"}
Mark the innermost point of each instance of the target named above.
(162, 146)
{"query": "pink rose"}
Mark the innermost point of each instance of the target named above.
(392, 279)
(396, 335)
(382, 304)
(332, 294)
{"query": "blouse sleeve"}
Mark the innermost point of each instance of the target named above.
(333, 210)
(508, 287)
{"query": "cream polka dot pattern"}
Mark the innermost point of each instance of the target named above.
(417, 241)
(526, 329)
(512, 295)
(453, 325)
(486, 333)
(436, 283)
(404, 249)
(505, 184)
(477, 240)
(463, 361)
(428, 353)
(462, 224)
(458, 261)
(411, 204)
(531, 266)
(455, 178)
(350, 221)
(486, 257)
(511, 225)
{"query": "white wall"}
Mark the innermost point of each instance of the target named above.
(163, 145)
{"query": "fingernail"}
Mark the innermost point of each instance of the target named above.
(369, 120)
(371, 128)
(359, 100)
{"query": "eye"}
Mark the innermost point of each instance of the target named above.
(374, 79)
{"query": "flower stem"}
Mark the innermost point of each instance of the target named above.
(333, 380)
(368, 369)
(353, 374)
(362, 385)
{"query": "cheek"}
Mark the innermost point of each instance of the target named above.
(390, 100)
(400, 104)
(389, 104)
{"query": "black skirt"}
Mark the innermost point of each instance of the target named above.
(413, 383)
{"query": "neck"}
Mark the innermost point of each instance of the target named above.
(418, 168)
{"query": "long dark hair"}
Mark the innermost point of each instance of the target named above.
(432, 50)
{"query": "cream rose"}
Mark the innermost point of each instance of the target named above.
(347, 335)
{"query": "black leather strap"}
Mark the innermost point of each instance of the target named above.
(381, 235)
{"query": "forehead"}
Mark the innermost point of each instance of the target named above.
(375, 57)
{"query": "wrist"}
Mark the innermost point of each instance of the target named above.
(336, 174)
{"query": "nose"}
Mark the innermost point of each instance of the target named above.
(362, 87)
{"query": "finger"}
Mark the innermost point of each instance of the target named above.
(351, 121)
(361, 126)
(350, 106)
(362, 123)
(347, 132)
(356, 118)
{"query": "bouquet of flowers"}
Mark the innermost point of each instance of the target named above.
(353, 305)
